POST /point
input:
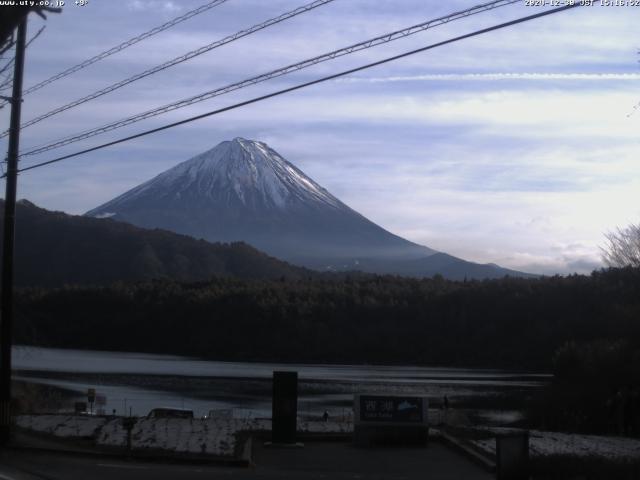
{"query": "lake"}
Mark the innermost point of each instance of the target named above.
(137, 382)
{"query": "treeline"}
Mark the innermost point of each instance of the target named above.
(596, 388)
(54, 249)
(512, 323)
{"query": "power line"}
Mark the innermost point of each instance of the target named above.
(273, 74)
(10, 43)
(303, 85)
(7, 65)
(6, 83)
(123, 45)
(36, 35)
(177, 60)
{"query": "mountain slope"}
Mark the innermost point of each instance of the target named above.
(450, 267)
(53, 249)
(243, 190)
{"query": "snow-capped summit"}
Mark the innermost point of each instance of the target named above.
(243, 190)
(237, 171)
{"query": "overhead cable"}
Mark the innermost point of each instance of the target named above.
(123, 45)
(177, 60)
(302, 85)
(386, 38)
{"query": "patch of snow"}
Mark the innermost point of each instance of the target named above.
(325, 427)
(105, 215)
(501, 417)
(182, 435)
(243, 168)
(64, 426)
(112, 433)
(546, 444)
(213, 436)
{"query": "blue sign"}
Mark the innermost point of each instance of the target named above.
(375, 408)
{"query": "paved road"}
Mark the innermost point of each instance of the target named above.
(317, 460)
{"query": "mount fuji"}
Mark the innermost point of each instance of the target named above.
(243, 190)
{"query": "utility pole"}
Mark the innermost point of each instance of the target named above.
(6, 297)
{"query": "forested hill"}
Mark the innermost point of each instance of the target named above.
(54, 249)
(513, 323)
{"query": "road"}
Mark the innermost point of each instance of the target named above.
(318, 460)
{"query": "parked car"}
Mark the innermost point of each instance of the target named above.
(167, 412)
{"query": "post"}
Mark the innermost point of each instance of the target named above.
(284, 410)
(128, 423)
(91, 398)
(6, 297)
(512, 456)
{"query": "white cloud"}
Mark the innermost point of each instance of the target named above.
(495, 76)
(164, 6)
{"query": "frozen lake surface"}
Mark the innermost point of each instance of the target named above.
(90, 361)
(140, 381)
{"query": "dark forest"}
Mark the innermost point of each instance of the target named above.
(509, 323)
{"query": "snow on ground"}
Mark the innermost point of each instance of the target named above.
(64, 426)
(218, 436)
(546, 444)
(112, 434)
(325, 427)
(212, 436)
(181, 435)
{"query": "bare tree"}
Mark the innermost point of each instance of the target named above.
(623, 247)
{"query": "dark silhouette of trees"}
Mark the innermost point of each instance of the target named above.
(510, 323)
(54, 249)
(623, 247)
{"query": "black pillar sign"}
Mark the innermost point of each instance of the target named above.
(284, 407)
(512, 456)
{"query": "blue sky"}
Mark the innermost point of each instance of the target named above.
(515, 147)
